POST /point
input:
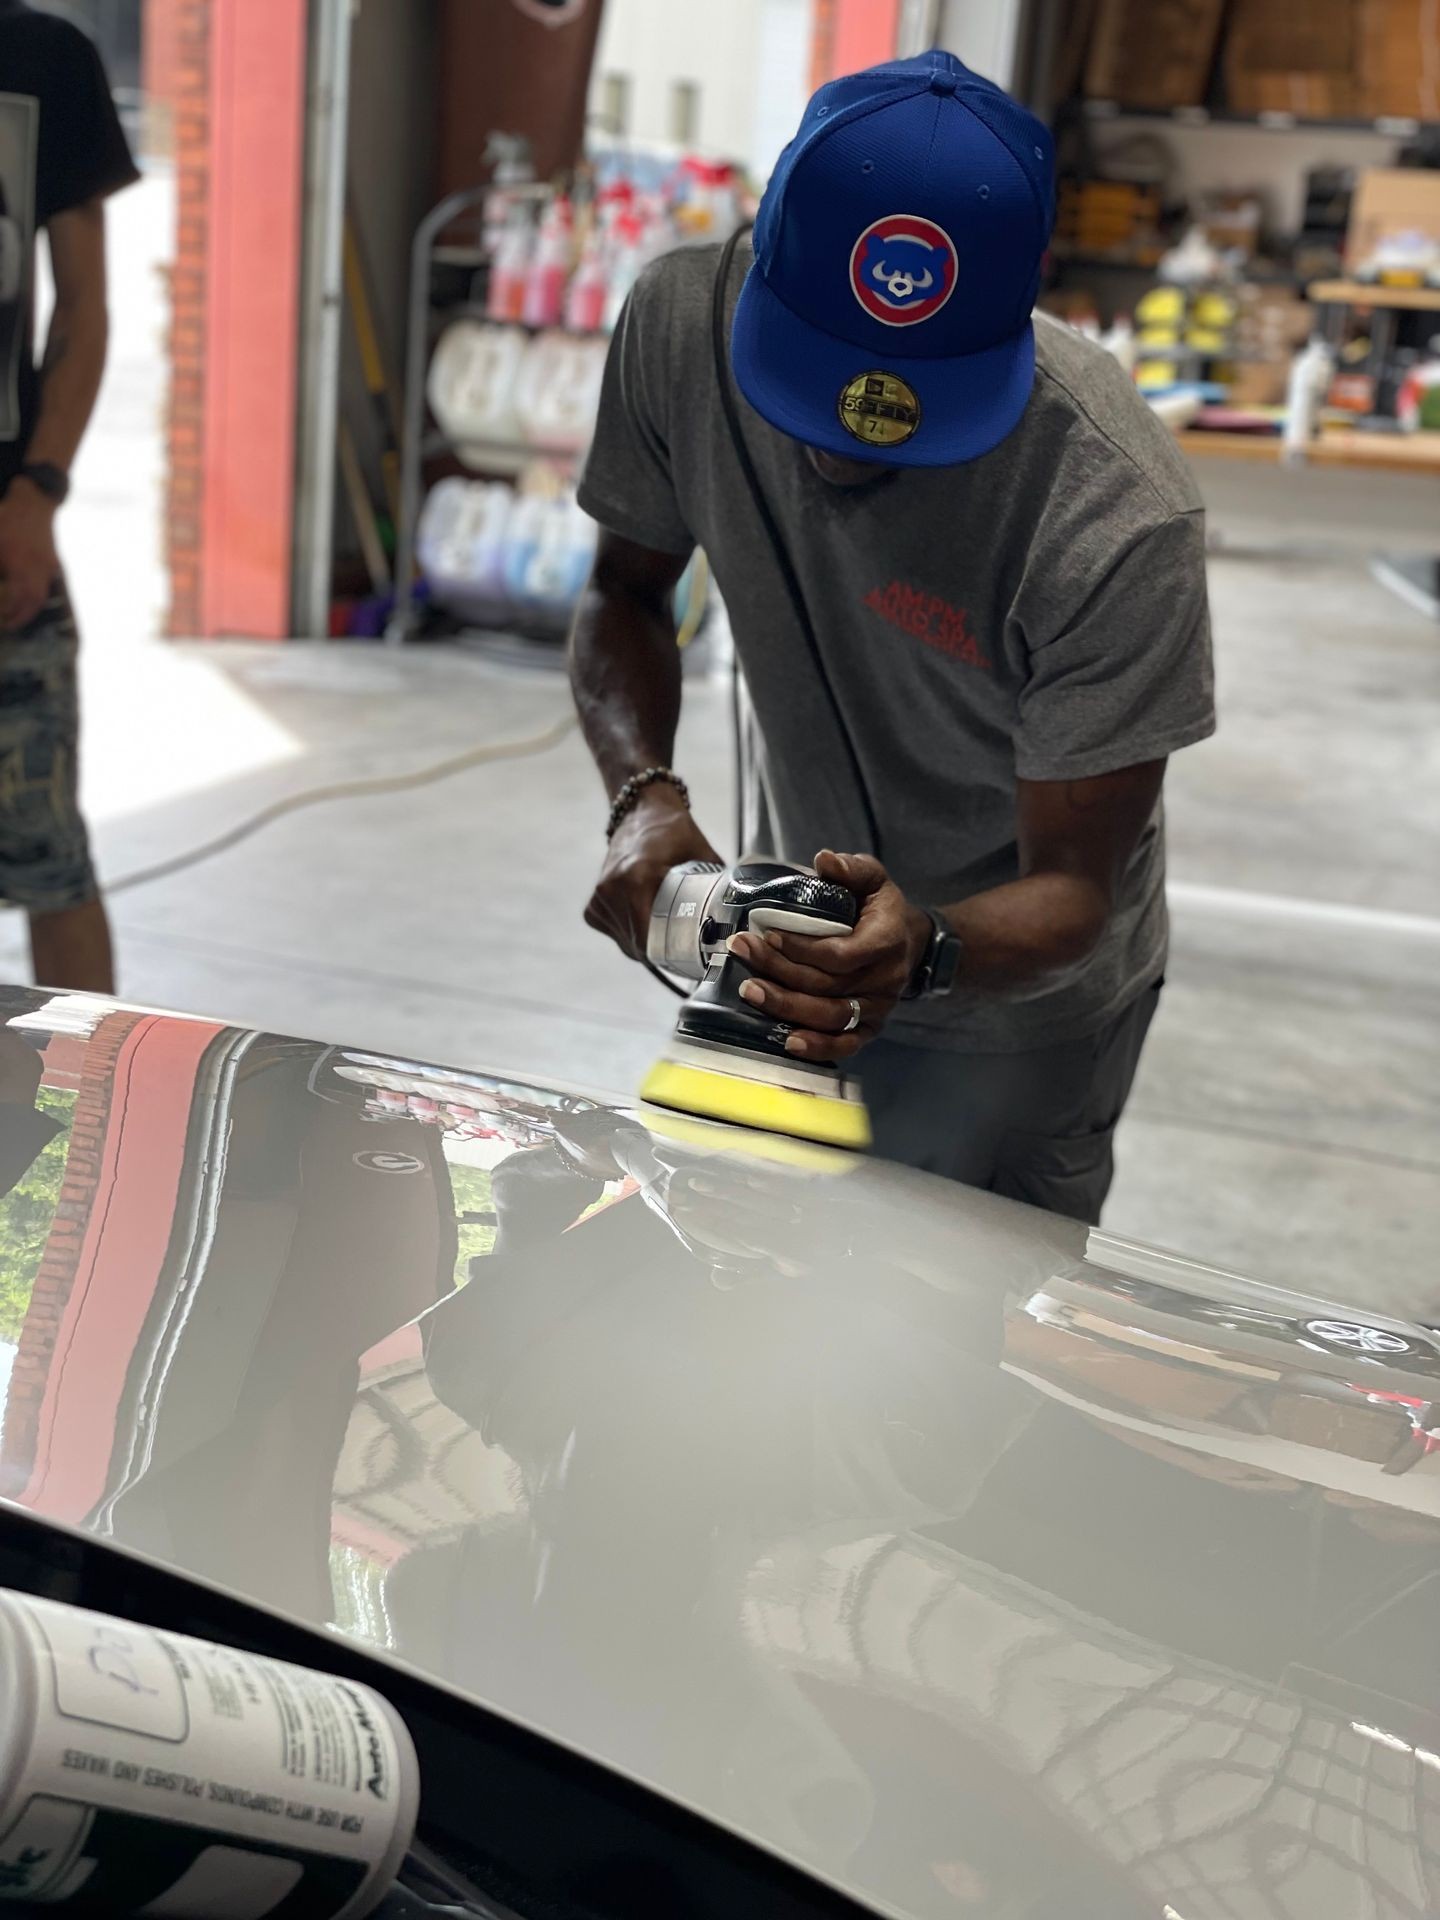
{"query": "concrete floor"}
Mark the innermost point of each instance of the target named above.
(1287, 1116)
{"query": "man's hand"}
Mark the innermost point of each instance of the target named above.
(29, 564)
(658, 835)
(808, 984)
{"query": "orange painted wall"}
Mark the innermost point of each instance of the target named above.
(160, 51)
(865, 32)
(257, 103)
(849, 34)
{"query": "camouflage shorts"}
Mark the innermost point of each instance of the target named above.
(44, 848)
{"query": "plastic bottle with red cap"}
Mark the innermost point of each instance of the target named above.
(543, 300)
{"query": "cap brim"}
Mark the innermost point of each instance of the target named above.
(794, 376)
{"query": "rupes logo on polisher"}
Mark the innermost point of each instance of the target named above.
(903, 269)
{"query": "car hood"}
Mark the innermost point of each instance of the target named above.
(978, 1564)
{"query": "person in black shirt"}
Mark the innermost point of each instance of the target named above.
(62, 151)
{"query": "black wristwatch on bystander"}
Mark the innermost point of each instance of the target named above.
(48, 479)
(939, 965)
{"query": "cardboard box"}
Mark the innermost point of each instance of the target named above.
(1259, 383)
(1391, 200)
(1399, 59)
(1309, 96)
(1153, 53)
(1271, 37)
(1272, 323)
(1286, 59)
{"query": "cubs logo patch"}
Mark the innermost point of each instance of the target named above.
(903, 269)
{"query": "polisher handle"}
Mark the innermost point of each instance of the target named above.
(786, 920)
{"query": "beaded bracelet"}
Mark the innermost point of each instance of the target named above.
(628, 798)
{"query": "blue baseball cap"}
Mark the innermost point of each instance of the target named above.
(897, 262)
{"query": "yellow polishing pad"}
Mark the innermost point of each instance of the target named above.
(756, 1103)
(781, 1150)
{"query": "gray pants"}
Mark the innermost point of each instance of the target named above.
(1034, 1126)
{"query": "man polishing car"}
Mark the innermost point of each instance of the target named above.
(964, 566)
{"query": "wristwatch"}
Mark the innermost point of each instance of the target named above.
(934, 976)
(48, 479)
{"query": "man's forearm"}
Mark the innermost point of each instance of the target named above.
(71, 373)
(625, 671)
(1027, 930)
(1075, 838)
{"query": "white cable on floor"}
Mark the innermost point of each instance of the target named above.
(1285, 907)
(346, 790)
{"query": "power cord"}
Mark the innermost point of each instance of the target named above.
(360, 790)
(346, 790)
(780, 553)
(680, 993)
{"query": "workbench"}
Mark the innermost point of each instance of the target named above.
(1417, 453)
(1358, 293)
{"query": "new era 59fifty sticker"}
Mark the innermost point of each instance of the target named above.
(903, 269)
(879, 408)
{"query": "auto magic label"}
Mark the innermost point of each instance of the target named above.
(144, 1772)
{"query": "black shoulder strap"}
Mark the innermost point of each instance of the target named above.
(794, 592)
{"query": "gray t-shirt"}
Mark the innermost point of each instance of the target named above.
(1040, 612)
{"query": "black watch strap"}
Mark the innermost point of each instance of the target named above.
(940, 963)
(48, 479)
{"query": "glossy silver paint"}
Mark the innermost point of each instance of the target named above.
(980, 1566)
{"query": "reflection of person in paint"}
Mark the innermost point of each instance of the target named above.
(548, 1319)
(314, 1253)
(25, 1132)
(918, 440)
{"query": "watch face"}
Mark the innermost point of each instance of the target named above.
(947, 965)
(934, 977)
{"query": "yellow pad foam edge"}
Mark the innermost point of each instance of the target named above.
(756, 1103)
(713, 1136)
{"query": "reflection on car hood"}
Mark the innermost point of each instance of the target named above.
(977, 1564)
